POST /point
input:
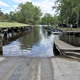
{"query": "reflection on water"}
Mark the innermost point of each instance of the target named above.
(71, 39)
(35, 44)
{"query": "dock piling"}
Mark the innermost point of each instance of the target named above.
(1, 44)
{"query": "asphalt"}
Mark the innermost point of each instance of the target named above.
(39, 68)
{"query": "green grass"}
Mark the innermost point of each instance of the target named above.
(53, 26)
(65, 29)
(11, 24)
(73, 29)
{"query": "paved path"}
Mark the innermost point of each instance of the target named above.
(25, 68)
(66, 69)
(22, 68)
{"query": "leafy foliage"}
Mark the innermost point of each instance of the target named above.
(28, 13)
(49, 19)
(68, 8)
(25, 13)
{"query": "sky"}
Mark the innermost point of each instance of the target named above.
(10, 5)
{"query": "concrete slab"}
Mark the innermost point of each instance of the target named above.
(66, 69)
(2, 58)
(29, 68)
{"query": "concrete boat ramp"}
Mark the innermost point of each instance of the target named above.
(39, 68)
(66, 49)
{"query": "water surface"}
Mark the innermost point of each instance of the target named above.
(35, 44)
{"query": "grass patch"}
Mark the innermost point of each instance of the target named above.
(11, 24)
(69, 29)
(53, 26)
(65, 29)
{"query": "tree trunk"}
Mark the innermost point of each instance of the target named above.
(77, 19)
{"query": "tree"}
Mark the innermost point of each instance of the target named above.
(1, 14)
(19, 17)
(76, 9)
(36, 15)
(6, 16)
(29, 12)
(55, 19)
(12, 16)
(47, 19)
(68, 8)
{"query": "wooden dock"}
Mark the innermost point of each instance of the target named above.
(76, 33)
(65, 48)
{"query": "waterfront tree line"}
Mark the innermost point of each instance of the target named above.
(29, 14)
(25, 13)
(67, 12)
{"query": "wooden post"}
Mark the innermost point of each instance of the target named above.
(1, 44)
(5, 35)
(12, 33)
(56, 52)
